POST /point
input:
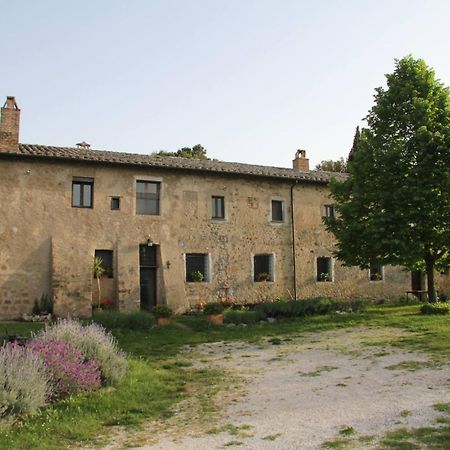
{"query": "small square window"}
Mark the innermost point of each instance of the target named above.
(147, 197)
(106, 257)
(115, 203)
(82, 192)
(376, 272)
(324, 269)
(218, 207)
(330, 212)
(263, 268)
(277, 211)
(197, 267)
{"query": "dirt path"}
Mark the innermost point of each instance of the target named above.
(298, 393)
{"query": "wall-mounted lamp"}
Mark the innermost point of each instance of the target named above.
(149, 242)
(168, 264)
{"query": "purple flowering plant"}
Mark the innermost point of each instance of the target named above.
(68, 370)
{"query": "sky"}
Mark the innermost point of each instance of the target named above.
(250, 80)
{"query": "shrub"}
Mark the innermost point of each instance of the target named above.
(138, 320)
(24, 382)
(94, 342)
(162, 311)
(307, 307)
(435, 308)
(213, 308)
(68, 371)
(238, 317)
(43, 305)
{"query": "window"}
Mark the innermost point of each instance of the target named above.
(82, 192)
(277, 211)
(197, 267)
(107, 261)
(147, 197)
(330, 212)
(324, 269)
(218, 207)
(376, 272)
(115, 203)
(263, 268)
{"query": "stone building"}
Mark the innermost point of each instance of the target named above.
(169, 230)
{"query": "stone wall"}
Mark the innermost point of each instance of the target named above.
(47, 246)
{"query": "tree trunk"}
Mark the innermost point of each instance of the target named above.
(429, 261)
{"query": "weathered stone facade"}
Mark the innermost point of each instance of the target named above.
(47, 245)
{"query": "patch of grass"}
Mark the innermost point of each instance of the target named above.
(433, 438)
(337, 444)
(412, 365)
(271, 437)
(346, 431)
(405, 413)
(232, 443)
(318, 371)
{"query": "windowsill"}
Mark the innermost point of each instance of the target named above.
(197, 282)
(82, 207)
(376, 281)
(324, 281)
(278, 222)
(266, 281)
(218, 220)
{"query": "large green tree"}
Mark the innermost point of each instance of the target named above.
(394, 207)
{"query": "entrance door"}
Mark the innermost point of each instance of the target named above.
(147, 269)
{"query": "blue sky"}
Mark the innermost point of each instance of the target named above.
(251, 80)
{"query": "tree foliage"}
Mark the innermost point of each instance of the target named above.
(196, 152)
(394, 208)
(354, 148)
(332, 166)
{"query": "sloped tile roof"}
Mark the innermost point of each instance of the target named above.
(171, 163)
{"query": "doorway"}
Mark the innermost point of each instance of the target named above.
(147, 275)
(418, 284)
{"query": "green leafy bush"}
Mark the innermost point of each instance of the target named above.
(111, 320)
(162, 311)
(238, 317)
(94, 342)
(24, 382)
(435, 308)
(213, 308)
(307, 307)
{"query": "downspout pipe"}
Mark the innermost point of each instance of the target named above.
(294, 258)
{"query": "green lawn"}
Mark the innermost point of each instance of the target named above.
(159, 377)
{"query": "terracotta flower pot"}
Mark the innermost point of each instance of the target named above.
(216, 319)
(163, 321)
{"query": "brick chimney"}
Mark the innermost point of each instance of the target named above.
(301, 162)
(9, 126)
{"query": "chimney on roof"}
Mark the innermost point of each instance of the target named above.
(9, 126)
(301, 162)
(84, 145)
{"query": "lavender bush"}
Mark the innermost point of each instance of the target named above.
(24, 383)
(94, 342)
(68, 371)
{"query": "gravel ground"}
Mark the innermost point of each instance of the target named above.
(301, 392)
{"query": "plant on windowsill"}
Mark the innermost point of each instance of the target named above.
(263, 276)
(197, 276)
(162, 314)
(325, 276)
(376, 277)
(214, 313)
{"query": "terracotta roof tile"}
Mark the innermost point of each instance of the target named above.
(170, 162)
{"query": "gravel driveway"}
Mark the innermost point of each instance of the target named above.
(299, 392)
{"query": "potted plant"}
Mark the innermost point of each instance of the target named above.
(162, 314)
(98, 270)
(214, 313)
(263, 276)
(197, 276)
(325, 276)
